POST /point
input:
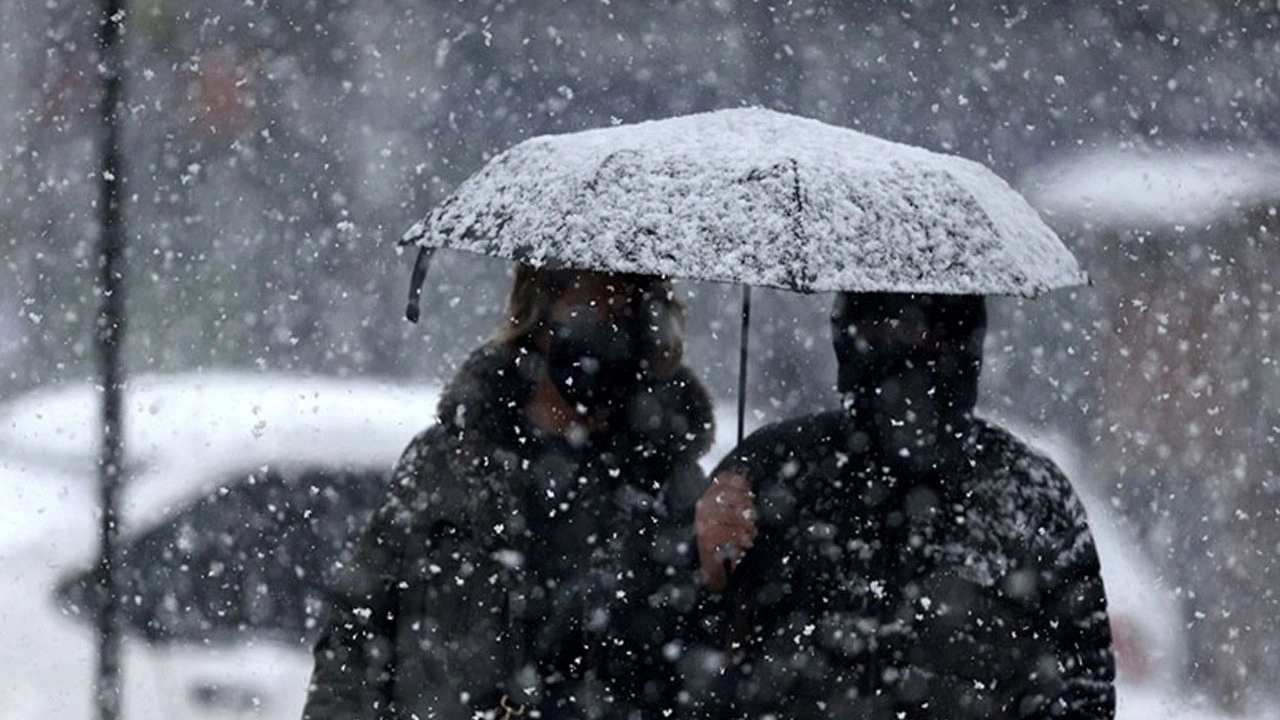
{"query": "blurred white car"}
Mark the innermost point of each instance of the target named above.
(190, 440)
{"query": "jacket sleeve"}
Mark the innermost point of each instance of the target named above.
(353, 673)
(1078, 681)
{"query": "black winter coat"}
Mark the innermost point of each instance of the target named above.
(978, 596)
(507, 562)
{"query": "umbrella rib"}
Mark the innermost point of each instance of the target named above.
(797, 223)
(797, 193)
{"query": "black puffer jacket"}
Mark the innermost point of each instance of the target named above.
(977, 596)
(508, 562)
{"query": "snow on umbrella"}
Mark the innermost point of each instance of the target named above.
(757, 197)
(750, 196)
(250, 557)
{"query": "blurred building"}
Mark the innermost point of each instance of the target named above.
(1184, 251)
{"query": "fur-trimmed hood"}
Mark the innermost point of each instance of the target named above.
(485, 402)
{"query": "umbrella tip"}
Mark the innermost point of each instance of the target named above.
(419, 276)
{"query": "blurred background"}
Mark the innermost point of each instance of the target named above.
(276, 149)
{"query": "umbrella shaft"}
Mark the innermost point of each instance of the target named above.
(742, 358)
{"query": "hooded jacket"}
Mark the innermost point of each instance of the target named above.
(976, 595)
(554, 572)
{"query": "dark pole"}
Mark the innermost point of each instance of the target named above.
(108, 334)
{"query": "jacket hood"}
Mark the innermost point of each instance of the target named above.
(486, 399)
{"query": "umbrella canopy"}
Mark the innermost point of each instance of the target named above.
(757, 197)
(247, 557)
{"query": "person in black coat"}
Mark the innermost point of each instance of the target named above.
(533, 555)
(900, 558)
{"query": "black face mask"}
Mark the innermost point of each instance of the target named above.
(914, 402)
(596, 365)
(916, 408)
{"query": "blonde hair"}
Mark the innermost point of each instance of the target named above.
(535, 290)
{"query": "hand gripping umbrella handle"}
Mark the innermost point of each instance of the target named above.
(419, 276)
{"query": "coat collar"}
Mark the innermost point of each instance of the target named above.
(484, 406)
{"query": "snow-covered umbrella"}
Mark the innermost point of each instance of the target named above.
(750, 196)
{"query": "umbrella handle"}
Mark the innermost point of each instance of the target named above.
(419, 276)
(742, 358)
